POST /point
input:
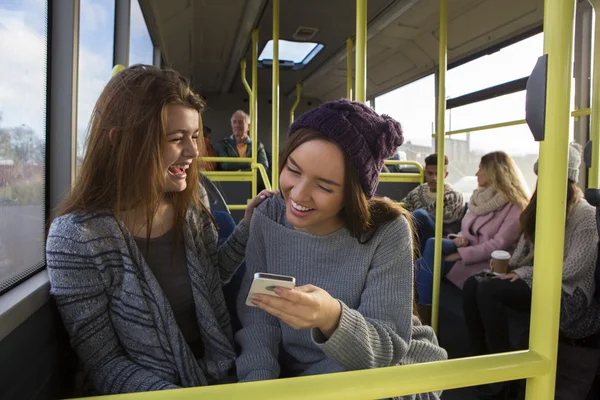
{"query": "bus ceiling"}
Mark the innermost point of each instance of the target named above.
(206, 40)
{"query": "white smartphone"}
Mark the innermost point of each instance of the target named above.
(264, 283)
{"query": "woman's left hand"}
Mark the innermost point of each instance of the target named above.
(453, 257)
(303, 307)
(262, 196)
(511, 275)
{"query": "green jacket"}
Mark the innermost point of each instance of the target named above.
(228, 148)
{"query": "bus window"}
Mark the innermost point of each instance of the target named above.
(141, 49)
(96, 38)
(23, 46)
(512, 62)
(465, 150)
(414, 106)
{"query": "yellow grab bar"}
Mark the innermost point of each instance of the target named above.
(370, 383)
(360, 90)
(228, 159)
(441, 127)
(295, 105)
(263, 174)
(349, 49)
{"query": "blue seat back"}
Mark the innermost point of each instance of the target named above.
(225, 227)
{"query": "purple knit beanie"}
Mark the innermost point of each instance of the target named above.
(367, 137)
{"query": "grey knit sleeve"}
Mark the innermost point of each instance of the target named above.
(378, 332)
(260, 335)
(78, 287)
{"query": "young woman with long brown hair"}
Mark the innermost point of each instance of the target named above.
(486, 299)
(491, 223)
(132, 257)
(351, 255)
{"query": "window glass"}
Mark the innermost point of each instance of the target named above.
(96, 38)
(141, 49)
(512, 62)
(413, 105)
(300, 53)
(465, 150)
(23, 46)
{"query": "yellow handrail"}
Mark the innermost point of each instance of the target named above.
(594, 171)
(575, 114)
(228, 159)
(254, 107)
(349, 49)
(441, 127)
(408, 177)
(407, 163)
(275, 99)
(246, 86)
(369, 384)
(116, 69)
(582, 112)
(263, 173)
(551, 189)
(295, 105)
(360, 78)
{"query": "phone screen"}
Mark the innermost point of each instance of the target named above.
(276, 277)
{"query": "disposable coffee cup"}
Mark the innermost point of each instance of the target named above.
(500, 261)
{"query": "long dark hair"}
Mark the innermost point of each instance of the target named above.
(133, 106)
(361, 216)
(528, 216)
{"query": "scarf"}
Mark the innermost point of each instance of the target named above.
(484, 200)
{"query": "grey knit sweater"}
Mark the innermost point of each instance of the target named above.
(579, 309)
(372, 281)
(120, 323)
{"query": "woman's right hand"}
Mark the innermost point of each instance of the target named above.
(460, 241)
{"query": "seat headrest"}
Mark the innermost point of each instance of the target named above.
(593, 197)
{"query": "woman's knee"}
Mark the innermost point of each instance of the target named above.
(420, 214)
(429, 246)
(470, 286)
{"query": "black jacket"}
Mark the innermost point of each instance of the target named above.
(228, 148)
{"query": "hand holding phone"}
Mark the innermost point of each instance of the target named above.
(264, 283)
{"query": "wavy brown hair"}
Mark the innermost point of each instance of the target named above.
(505, 177)
(122, 169)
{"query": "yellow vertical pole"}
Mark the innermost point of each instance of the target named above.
(252, 121)
(551, 206)
(349, 50)
(361, 51)
(275, 101)
(594, 171)
(441, 136)
(254, 110)
(295, 105)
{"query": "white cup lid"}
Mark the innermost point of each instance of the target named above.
(501, 255)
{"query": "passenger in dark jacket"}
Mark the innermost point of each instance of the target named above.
(239, 144)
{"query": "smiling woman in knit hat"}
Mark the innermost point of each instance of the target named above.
(485, 300)
(351, 254)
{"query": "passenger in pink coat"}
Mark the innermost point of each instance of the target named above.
(491, 223)
(496, 230)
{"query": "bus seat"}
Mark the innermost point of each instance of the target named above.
(215, 198)
(225, 226)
